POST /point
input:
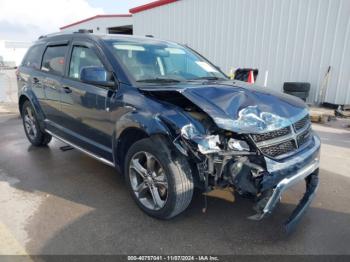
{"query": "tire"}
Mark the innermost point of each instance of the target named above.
(296, 87)
(169, 169)
(32, 128)
(301, 95)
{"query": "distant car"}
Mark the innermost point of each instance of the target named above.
(168, 119)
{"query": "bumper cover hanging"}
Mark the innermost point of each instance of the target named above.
(309, 173)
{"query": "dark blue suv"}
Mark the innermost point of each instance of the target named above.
(169, 120)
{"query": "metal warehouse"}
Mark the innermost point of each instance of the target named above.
(286, 40)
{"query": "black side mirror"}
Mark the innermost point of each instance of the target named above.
(97, 76)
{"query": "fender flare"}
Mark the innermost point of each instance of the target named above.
(140, 123)
(28, 94)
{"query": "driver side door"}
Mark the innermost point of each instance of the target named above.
(85, 107)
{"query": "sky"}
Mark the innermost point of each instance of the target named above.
(26, 20)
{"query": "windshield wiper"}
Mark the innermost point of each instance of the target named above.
(207, 78)
(159, 80)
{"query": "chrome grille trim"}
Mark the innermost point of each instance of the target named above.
(303, 137)
(279, 149)
(300, 124)
(286, 145)
(271, 135)
(274, 141)
(306, 127)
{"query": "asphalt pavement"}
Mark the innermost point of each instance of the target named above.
(55, 202)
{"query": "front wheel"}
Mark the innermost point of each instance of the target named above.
(31, 126)
(160, 181)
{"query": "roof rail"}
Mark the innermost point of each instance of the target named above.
(84, 31)
(52, 34)
(80, 31)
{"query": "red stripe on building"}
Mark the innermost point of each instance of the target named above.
(150, 6)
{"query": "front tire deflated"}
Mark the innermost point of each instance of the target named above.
(160, 179)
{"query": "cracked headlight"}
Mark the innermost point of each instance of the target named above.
(237, 145)
(206, 143)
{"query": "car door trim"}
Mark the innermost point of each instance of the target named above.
(103, 160)
(78, 136)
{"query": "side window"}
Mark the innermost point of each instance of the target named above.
(33, 57)
(82, 57)
(53, 60)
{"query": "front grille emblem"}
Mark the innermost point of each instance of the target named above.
(294, 136)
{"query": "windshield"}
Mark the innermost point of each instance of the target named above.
(155, 61)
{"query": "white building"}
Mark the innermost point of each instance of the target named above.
(12, 52)
(292, 40)
(103, 24)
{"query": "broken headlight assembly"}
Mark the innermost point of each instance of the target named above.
(237, 145)
(208, 144)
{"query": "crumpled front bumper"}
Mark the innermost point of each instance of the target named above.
(302, 167)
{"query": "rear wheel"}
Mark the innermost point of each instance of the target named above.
(160, 181)
(31, 126)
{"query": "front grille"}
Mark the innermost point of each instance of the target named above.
(303, 137)
(284, 141)
(270, 135)
(279, 149)
(302, 123)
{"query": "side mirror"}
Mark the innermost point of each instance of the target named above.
(97, 76)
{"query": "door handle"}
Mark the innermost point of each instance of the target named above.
(67, 90)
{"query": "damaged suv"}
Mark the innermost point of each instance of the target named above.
(169, 120)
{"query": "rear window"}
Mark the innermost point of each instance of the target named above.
(53, 60)
(33, 57)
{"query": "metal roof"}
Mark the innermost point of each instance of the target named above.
(95, 17)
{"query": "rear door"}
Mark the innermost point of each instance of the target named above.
(29, 72)
(52, 70)
(87, 122)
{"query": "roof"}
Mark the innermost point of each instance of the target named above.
(95, 17)
(134, 10)
(67, 35)
(151, 5)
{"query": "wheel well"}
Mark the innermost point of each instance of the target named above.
(127, 138)
(21, 101)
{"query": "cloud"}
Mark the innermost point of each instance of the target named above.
(27, 20)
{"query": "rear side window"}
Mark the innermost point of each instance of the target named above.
(53, 60)
(33, 57)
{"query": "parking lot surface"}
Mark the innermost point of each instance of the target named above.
(55, 202)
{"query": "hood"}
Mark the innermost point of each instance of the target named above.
(241, 108)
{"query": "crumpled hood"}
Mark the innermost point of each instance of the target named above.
(243, 108)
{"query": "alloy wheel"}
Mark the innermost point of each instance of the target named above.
(29, 123)
(148, 180)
